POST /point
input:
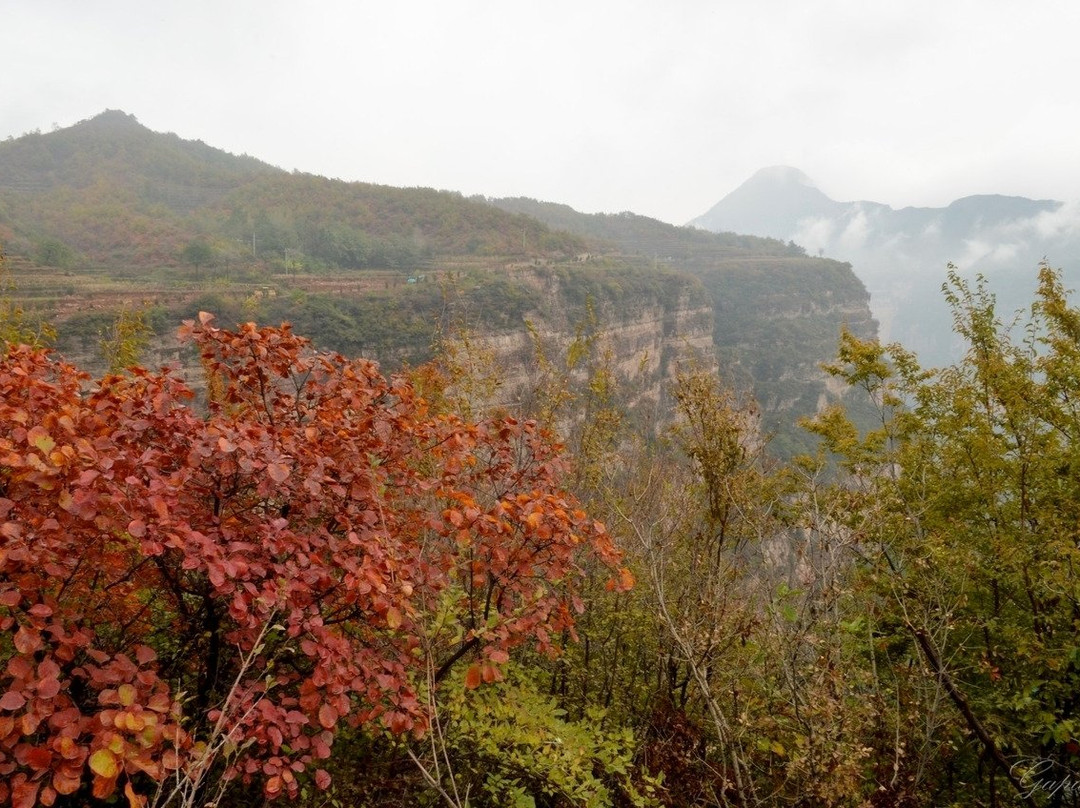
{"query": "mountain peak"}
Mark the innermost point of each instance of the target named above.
(770, 203)
(781, 175)
(111, 119)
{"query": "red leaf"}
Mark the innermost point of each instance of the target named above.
(328, 716)
(322, 779)
(12, 700)
(39, 758)
(27, 640)
(48, 688)
(23, 793)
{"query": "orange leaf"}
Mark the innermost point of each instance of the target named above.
(278, 472)
(104, 787)
(472, 677)
(134, 800)
(65, 782)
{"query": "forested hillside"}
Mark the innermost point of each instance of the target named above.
(109, 192)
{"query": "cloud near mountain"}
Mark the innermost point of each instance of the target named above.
(902, 254)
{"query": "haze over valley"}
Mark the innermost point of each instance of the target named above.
(902, 255)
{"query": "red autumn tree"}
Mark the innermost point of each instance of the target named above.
(190, 594)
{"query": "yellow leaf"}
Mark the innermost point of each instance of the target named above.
(393, 617)
(103, 763)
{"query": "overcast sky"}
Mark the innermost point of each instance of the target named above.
(606, 105)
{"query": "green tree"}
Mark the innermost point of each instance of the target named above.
(198, 253)
(123, 344)
(966, 505)
(52, 252)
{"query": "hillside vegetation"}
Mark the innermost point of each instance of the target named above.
(311, 581)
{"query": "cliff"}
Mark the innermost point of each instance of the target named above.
(522, 333)
(777, 312)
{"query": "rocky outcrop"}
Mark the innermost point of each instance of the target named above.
(637, 333)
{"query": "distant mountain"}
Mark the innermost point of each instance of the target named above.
(902, 255)
(771, 203)
(116, 145)
(110, 192)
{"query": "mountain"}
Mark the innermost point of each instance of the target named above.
(771, 203)
(902, 255)
(777, 311)
(108, 214)
(111, 192)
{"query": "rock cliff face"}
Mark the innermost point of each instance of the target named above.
(777, 312)
(636, 333)
(776, 322)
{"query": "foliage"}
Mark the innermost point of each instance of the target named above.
(965, 503)
(512, 745)
(187, 598)
(18, 326)
(52, 252)
(123, 344)
(117, 193)
(198, 253)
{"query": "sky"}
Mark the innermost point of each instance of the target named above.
(660, 108)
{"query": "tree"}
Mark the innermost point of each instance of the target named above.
(52, 252)
(966, 505)
(189, 600)
(198, 253)
(123, 343)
